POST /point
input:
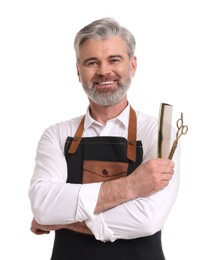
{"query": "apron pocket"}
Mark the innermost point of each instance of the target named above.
(99, 171)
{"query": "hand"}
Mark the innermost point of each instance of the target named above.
(39, 229)
(151, 177)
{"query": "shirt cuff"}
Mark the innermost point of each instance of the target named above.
(87, 201)
(99, 229)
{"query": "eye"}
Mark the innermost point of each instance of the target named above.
(114, 60)
(91, 63)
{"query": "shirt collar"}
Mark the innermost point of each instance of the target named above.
(123, 117)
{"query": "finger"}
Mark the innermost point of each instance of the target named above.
(39, 231)
(166, 176)
(170, 171)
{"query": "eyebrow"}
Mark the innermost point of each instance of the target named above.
(110, 57)
(116, 56)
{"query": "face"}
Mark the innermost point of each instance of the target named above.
(105, 70)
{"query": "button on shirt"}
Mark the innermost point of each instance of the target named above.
(54, 201)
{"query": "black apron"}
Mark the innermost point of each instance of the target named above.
(93, 159)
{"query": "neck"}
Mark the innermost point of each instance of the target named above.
(104, 113)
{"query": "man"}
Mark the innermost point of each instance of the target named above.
(97, 180)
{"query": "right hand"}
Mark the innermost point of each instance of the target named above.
(151, 177)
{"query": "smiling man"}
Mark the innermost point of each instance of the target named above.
(97, 181)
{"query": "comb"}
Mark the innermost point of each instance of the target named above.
(164, 130)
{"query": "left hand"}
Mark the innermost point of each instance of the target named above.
(39, 229)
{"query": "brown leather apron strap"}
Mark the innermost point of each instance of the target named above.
(132, 132)
(132, 135)
(77, 137)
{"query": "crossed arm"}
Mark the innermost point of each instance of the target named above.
(148, 179)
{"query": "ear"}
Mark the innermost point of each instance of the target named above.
(78, 73)
(134, 65)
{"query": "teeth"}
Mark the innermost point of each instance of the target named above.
(106, 83)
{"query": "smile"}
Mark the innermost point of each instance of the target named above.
(105, 83)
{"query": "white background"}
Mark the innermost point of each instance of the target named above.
(39, 87)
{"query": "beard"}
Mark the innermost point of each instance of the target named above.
(107, 97)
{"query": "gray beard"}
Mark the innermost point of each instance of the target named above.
(108, 98)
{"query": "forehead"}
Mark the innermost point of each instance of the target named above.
(107, 47)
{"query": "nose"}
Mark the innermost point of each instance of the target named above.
(103, 69)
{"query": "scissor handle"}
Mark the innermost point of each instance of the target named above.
(184, 129)
(180, 121)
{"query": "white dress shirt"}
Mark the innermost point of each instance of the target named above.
(54, 201)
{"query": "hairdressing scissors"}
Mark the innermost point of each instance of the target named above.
(181, 130)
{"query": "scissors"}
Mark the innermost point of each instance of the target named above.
(181, 130)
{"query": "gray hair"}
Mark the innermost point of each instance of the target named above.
(104, 29)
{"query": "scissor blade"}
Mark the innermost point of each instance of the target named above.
(164, 130)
